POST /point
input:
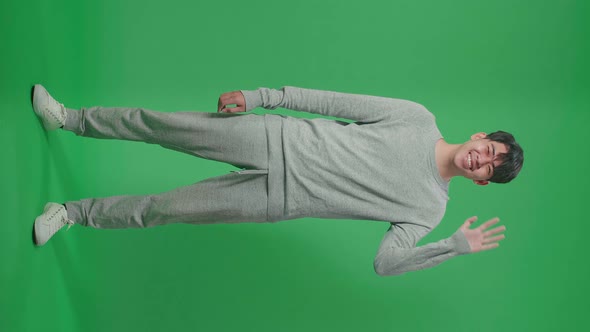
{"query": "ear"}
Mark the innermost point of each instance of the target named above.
(478, 136)
(481, 182)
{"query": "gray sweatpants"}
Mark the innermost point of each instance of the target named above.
(237, 139)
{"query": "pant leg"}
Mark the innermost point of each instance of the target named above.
(230, 198)
(237, 139)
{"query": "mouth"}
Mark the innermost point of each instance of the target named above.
(469, 162)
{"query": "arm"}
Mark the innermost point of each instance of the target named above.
(355, 107)
(398, 253)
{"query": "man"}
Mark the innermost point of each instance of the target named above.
(391, 164)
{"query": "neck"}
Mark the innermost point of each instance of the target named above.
(445, 154)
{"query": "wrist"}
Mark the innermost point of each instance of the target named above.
(252, 98)
(459, 242)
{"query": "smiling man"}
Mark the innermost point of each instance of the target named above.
(484, 159)
(390, 164)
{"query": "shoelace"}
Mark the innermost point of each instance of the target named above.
(69, 222)
(53, 228)
(61, 117)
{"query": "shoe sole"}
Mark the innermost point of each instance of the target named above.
(34, 235)
(33, 105)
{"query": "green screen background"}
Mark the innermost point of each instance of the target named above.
(519, 66)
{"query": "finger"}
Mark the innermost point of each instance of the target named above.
(224, 100)
(224, 107)
(469, 222)
(489, 223)
(490, 246)
(494, 231)
(493, 239)
(231, 110)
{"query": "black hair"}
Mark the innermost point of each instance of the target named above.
(511, 161)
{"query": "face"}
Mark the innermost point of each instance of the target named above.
(477, 158)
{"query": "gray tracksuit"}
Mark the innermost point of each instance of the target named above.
(380, 167)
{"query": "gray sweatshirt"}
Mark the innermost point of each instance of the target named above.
(381, 167)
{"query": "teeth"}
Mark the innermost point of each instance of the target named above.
(469, 160)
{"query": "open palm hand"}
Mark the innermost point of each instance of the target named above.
(480, 238)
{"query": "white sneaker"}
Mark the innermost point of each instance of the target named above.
(52, 113)
(54, 217)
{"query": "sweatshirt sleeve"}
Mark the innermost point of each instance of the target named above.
(398, 252)
(355, 107)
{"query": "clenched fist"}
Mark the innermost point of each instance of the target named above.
(231, 98)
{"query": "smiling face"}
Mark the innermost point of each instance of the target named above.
(477, 158)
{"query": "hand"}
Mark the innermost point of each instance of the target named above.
(229, 98)
(479, 239)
